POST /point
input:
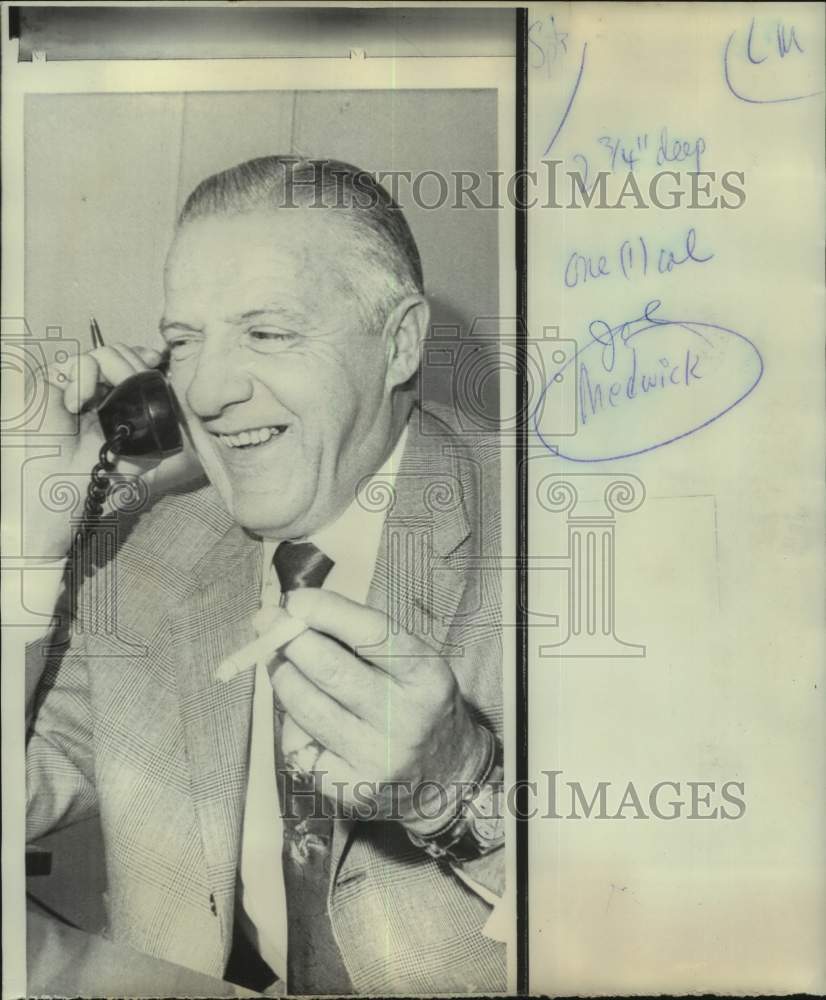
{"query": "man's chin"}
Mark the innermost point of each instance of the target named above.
(259, 518)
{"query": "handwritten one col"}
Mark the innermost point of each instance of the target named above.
(634, 258)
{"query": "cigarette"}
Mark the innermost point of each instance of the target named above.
(286, 628)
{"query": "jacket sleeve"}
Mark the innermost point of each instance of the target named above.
(485, 876)
(59, 750)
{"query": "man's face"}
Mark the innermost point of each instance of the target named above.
(283, 386)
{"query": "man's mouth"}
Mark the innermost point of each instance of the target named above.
(252, 438)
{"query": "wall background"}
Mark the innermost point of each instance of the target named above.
(107, 173)
(105, 177)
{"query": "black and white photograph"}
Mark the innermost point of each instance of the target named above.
(412, 447)
(265, 731)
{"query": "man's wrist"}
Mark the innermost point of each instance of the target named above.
(472, 824)
(478, 829)
(437, 804)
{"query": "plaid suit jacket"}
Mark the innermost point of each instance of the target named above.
(132, 723)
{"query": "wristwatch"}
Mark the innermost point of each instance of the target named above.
(477, 828)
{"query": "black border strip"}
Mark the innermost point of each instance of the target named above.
(151, 31)
(521, 223)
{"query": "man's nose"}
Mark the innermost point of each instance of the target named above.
(218, 382)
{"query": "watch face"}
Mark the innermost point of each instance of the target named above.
(488, 820)
(489, 830)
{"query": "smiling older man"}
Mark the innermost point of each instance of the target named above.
(328, 820)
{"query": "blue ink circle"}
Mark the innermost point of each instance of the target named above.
(555, 449)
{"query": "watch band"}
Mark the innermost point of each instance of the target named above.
(477, 828)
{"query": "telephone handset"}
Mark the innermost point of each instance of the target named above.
(140, 418)
(141, 415)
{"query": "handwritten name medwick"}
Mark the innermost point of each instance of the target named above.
(599, 394)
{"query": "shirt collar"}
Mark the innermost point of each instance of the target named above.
(352, 540)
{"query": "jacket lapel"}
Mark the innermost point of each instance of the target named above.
(213, 622)
(418, 580)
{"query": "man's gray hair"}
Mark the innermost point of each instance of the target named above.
(385, 267)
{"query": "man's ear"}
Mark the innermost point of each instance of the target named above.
(404, 333)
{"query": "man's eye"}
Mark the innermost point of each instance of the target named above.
(271, 338)
(181, 347)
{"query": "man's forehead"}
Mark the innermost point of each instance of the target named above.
(245, 246)
(279, 227)
(229, 264)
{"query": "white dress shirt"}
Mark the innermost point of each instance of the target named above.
(352, 542)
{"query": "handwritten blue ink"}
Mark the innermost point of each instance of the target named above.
(628, 262)
(559, 40)
(585, 168)
(749, 41)
(631, 152)
(677, 150)
(580, 269)
(627, 152)
(669, 260)
(787, 44)
(784, 44)
(570, 101)
(627, 251)
(668, 377)
(602, 333)
(684, 373)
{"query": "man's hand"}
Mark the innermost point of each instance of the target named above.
(76, 437)
(396, 731)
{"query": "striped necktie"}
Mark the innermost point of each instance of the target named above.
(314, 964)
